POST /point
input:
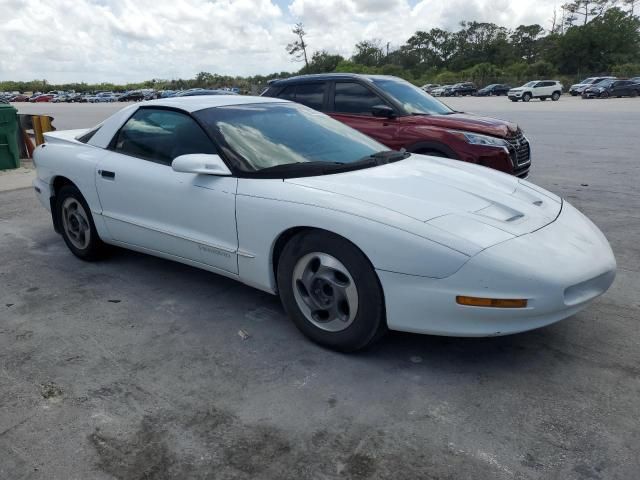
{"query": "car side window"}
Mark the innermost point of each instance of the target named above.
(351, 97)
(160, 135)
(311, 94)
(288, 93)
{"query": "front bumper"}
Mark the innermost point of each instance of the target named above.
(514, 159)
(560, 269)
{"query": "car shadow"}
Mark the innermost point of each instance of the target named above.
(523, 350)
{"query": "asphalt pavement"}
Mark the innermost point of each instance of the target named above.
(135, 368)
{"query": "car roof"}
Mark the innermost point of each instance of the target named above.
(319, 77)
(201, 102)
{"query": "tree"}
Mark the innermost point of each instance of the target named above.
(322, 62)
(525, 41)
(588, 9)
(298, 48)
(369, 53)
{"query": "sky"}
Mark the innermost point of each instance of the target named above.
(133, 40)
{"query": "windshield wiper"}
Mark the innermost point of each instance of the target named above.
(315, 168)
(387, 156)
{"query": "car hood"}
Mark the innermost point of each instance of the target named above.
(462, 199)
(471, 123)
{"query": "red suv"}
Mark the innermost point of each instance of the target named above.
(401, 115)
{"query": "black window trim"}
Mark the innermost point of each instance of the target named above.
(386, 100)
(112, 142)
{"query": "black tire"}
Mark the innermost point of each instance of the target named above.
(95, 248)
(555, 96)
(604, 94)
(369, 323)
(526, 97)
(633, 94)
(514, 99)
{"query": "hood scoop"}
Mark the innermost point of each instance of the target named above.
(502, 213)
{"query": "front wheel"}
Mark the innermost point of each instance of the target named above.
(604, 94)
(633, 94)
(330, 291)
(76, 223)
(526, 97)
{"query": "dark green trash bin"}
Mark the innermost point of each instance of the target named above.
(9, 151)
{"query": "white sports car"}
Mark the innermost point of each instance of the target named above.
(354, 238)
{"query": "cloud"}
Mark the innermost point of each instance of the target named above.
(133, 40)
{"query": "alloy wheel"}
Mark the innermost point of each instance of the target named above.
(76, 223)
(325, 291)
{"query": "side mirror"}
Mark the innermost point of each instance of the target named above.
(201, 163)
(382, 111)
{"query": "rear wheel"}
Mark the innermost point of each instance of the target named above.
(331, 291)
(604, 94)
(526, 97)
(76, 223)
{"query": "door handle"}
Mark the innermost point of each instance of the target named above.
(107, 174)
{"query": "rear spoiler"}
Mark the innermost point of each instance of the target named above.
(64, 136)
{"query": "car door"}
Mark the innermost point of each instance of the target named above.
(146, 204)
(351, 102)
(621, 88)
(541, 89)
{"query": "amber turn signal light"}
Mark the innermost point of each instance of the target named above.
(492, 302)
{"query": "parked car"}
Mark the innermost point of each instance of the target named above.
(401, 115)
(151, 95)
(194, 93)
(45, 97)
(132, 96)
(103, 97)
(19, 98)
(60, 98)
(493, 89)
(428, 87)
(354, 238)
(442, 91)
(463, 89)
(74, 98)
(541, 89)
(578, 88)
(612, 88)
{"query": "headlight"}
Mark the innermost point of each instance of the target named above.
(477, 139)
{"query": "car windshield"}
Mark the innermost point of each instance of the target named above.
(605, 83)
(589, 80)
(412, 98)
(530, 84)
(270, 135)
